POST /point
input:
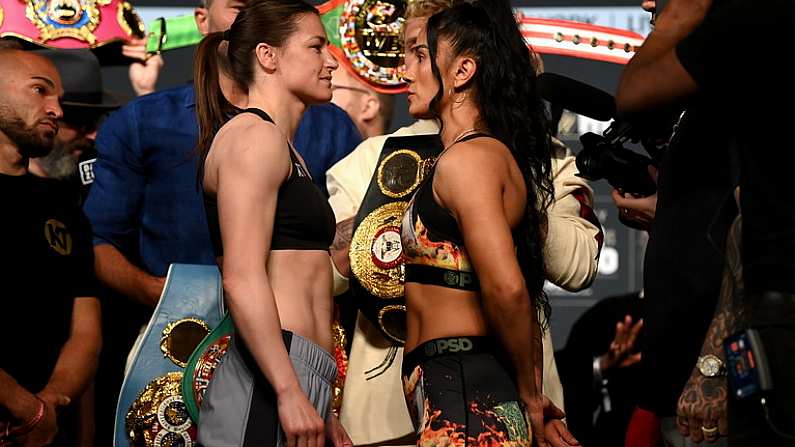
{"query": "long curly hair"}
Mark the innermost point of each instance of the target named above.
(505, 92)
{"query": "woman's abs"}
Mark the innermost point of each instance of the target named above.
(438, 312)
(301, 283)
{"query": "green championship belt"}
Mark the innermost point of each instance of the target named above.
(376, 254)
(202, 363)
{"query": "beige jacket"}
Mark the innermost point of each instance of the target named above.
(374, 411)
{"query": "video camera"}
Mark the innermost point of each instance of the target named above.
(604, 156)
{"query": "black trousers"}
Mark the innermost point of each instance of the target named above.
(774, 318)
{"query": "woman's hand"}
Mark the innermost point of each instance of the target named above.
(619, 354)
(558, 434)
(535, 419)
(300, 422)
(336, 433)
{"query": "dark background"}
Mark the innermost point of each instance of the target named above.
(620, 269)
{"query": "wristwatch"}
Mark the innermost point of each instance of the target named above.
(710, 366)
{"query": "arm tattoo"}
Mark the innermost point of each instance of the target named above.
(729, 313)
(342, 238)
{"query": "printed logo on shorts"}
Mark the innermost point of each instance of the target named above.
(58, 237)
(458, 279)
(451, 345)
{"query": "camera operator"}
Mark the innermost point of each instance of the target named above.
(636, 212)
(687, 220)
(693, 56)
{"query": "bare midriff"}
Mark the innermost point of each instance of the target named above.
(301, 282)
(438, 312)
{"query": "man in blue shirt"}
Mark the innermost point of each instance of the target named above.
(146, 208)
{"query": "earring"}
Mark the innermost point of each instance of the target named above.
(460, 98)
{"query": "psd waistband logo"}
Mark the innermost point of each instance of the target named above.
(450, 345)
(458, 279)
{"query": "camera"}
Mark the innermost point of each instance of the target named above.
(605, 157)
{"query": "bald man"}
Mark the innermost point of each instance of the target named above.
(50, 316)
(370, 111)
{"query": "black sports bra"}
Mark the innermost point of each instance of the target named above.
(304, 219)
(433, 247)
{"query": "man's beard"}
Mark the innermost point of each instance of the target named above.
(30, 141)
(61, 162)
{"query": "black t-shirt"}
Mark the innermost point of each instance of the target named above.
(684, 257)
(48, 263)
(737, 56)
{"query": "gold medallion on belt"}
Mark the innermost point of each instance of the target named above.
(158, 417)
(376, 253)
(401, 172)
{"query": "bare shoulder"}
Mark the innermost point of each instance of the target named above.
(247, 141)
(246, 132)
(475, 158)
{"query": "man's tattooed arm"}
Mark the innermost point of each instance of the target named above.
(702, 404)
(339, 248)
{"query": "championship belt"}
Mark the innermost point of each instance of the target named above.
(376, 254)
(580, 40)
(69, 23)
(365, 36)
(151, 410)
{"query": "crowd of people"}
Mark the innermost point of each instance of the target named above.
(274, 162)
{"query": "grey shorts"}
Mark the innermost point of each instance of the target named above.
(240, 409)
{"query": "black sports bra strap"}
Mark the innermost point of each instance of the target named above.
(260, 113)
(264, 115)
(472, 136)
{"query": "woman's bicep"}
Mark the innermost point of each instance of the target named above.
(247, 191)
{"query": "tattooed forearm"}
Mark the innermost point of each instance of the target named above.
(340, 246)
(701, 411)
(342, 238)
(729, 313)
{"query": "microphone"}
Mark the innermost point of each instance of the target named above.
(577, 97)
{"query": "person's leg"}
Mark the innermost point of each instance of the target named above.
(239, 406)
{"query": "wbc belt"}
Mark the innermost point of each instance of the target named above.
(376, 254)
(151, 410)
